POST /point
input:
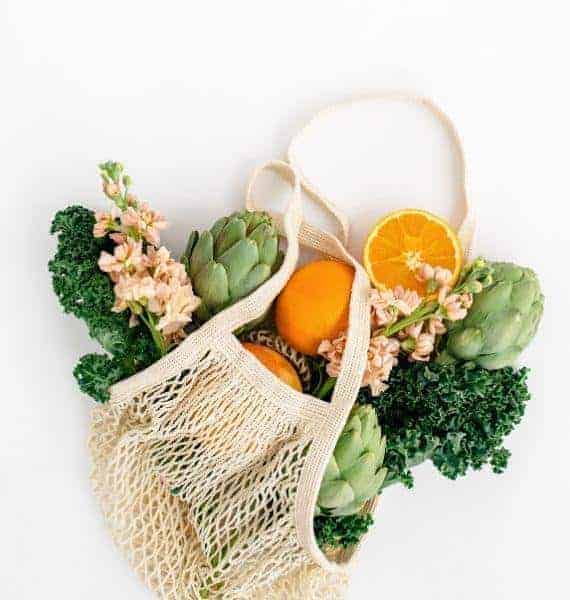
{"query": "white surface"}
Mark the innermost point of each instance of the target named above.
(192, 96)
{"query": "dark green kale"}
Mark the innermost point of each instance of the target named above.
(341, 532)
(87, 293)
(456, 415)
(95, 373)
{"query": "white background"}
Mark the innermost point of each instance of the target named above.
(193, 95)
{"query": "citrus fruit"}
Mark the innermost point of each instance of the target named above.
(276, 363)
(313, 306)
(403, 240)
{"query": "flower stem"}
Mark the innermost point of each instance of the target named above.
(423, 311)
(157, 337)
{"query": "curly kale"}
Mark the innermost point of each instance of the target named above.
(87, 293)
(341, 532)
(456, 415)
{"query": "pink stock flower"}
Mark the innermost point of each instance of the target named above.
(152, 223)
(133, 289)
(104, 222)
(424, 347)
(411, 331)
(382, 358)
(425, 272)
(126, 258)
(382, 310)
(406, 300)
(130, 219)
(178, 310)
(436, 326)
(454, 308)
(333, 351)
(467, 300)
(442, 276)
(148, 281)
(387, 306)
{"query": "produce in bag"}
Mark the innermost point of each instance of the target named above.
(439, 381)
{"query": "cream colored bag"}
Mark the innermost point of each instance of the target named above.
(207, 467)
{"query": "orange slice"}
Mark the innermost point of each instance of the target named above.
(403, 240)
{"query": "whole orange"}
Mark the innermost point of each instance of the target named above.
(276, 363)
(313, 306)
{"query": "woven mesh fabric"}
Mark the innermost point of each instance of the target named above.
(197, 476)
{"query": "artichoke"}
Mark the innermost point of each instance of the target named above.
(354, 473)
(232, 259)
(501, 322)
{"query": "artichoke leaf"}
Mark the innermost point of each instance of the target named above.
(348, 449)
(361, 473)
(233, 231)
(202, 254)
(211, 284)
(239, 260)
(466, 344)
(258, 275)
(335, 493)
(502, 332)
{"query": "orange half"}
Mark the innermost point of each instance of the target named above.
(403, 240)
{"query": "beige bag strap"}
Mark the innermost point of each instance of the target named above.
(466, 229)
(358, 335)
(253, 306)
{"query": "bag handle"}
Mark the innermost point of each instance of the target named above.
(253, 306)
(466, 229)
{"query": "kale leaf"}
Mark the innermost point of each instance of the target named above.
(87, 293)
(456, 415)
(341, 532)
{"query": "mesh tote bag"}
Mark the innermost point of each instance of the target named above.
(207, 466)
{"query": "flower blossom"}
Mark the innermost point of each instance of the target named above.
(127, 258)
(178, 309)
(151, 223)
(436, 326)
(424, 345)
(382, 358)
(105, 222)
(388, 305)
(456, 305)
(406, 300)
(132, 289)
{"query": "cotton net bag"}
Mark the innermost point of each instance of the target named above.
(207, 467)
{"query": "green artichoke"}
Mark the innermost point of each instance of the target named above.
(354, 473)
(501, 322)
(232, 259)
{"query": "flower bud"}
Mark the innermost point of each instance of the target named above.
(425, 272)
(111, 190)
(473, 287)
(442, 276)
(127, 181)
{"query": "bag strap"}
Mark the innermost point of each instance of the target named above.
(466, 229)
(253, 306)
(358, 335)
